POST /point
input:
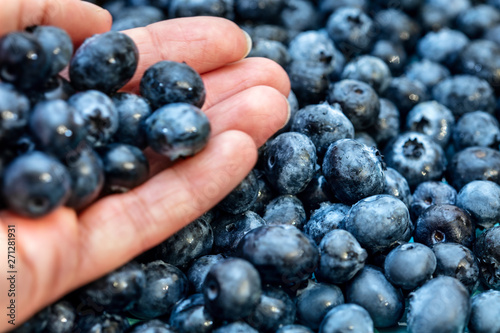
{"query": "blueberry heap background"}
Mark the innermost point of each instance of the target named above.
(376, 207)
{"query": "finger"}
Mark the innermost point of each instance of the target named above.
(204, 43)
(236, 77)
(80, 19)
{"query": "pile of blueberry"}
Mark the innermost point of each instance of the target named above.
(69, 143)
(376, 207)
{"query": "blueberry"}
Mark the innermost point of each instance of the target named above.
(387, 124)
(323, 124)
(316, 192)
(416, 157)
(56, 87)
(294, 329)
(35, 184)
(309, 80)
(379, 222)
(476, 128)
(406, 93)
(347, 318)
(381, 299)
(366, 139)
(314, 301)
(299, 15)
(476, 20)
(393, 54)
(285, 209)
(265, 193)
(57, 127)
(241, 198)
(315, 46)
(270, 49)
(442, 46)
(444, 223)
(426, 71)
(353, 170)
(484, 312)
(487, 251)
(151, 326)
(258, 10)
(275, 309)
(117, 291)
(358, 101)
(480, 58)
(232, 289)
(172, 82)
(104, 62)
(341, 257)
(37, 323)
(165, 286)
(189, 315)
(441, 302)
(104, 322)
(431, 193)
(62, 317)
(325, 219)
(397, 186)
(326, 7)
(22, 60)
(481, 198)
(15, 111)
(235, 327)
(100, 116)
(199, 269)
(177, 130)
(369, 69)
(291, 162)
(475, 163)
(432, 119)
(397, 26)
(457, 261)
(292, 262)
(185, 8)
(268, 31)
(57, 46)
(125, 167)
(136, 16)
(132, 111)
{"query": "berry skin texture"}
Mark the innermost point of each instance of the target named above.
(132, 111)
(485, 310)
(487, 251)
(57, 46)
(474, 163)
(169, 82)
(189, 315)
(350, 318)
(242, 197)
(431, 193)
(104, 62)
(326, 218)
(177, 130)
(481, 198)
(199, 269)
(285, 209)
(15, 109)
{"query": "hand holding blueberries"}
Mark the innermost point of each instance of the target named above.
(244, 103)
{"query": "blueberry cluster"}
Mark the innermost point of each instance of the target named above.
(377, 206)
(70, 142)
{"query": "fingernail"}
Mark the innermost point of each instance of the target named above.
(249, 42)
(289, 110)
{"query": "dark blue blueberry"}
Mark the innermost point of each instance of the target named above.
(369, 69)
(57, 127)
(406, 93)
(323, 124)
(165, 286)
(426, 71)
(258, 10)
(442, 46)
(172, 82)
(316, 192)
(57, 46)
(358, 101)
(232, 289)
(87, 174)
(100, 116)
(350, 318)
(327, 7)
(314, 301)
(485, 310)
(22, 60)
(409, 265)
(186, 8)
(433, 18)
(36, 324)
(325, 219)
(293, 261)
(133, 110)
(353, 170)
(160, 4)
(192, 241)
(136, 16)
(416, 156)
(395, 25)
(481, 199)
(241, 198)
(475, 163)
(393, 54)
(151, 326)
(264, 195)
(177, 130)
(476, 128)
(341, 257)
(457, 261)
(117, 291)
(492, 34)
(270, 49)
(309, 81)
(451, 8)
(352, 30)
(229, 229)
(268, 31)
(275, 309)
(366, 139)
(431, 193)
(125, 167)
(14, 112)
(190, 316)
(444, 223)
(381, 299)
(104, 62)
(104, 322)
(379, 223)
(291, 162)
(235, 327)
(464, 93)
(476, 20)
(397, 186)
(285, 209)
(487, 251)
(387, 124)
(56, 87)
(62, 318)
(441, 302)
(300, 15)
(481, 58)
(294, 329)
(199, 269)
(432, 119)
(35, 184)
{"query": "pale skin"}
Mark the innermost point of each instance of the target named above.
(245, 104)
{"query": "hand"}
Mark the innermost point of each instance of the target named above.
(245, 104)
